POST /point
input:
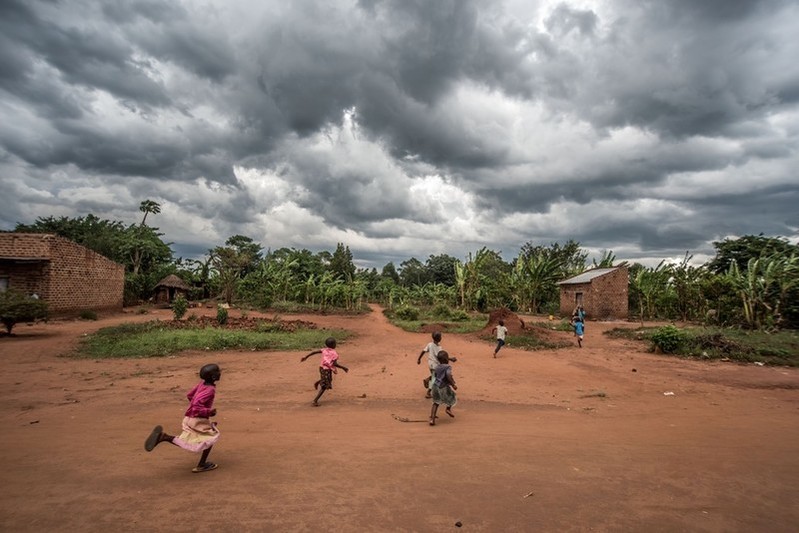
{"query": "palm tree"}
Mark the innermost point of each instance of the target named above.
(147, 207)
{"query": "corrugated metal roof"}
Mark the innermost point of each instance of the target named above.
(587, 276)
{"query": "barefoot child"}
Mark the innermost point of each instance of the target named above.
(199, 433)
(500, 331)
(577, 323)
(432, 350)
(327, 367)
(443, 387)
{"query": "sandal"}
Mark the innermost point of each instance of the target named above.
(154, 438)
(432, 421)
(204, 468)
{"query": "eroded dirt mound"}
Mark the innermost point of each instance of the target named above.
(512, 321)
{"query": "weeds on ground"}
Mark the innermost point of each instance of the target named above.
(415, 319)
(531, 342)
(775, 348)
(156, 339)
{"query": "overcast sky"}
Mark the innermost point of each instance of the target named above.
(406, 128)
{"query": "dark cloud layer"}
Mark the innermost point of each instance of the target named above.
(405, 127)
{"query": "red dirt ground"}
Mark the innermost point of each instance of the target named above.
(566, 440)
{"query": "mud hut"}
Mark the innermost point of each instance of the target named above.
(170, 288)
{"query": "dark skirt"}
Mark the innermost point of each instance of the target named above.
(325, 378)
(445, 395)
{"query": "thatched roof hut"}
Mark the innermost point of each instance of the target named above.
(170, 288)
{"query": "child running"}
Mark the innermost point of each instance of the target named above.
(579, 328)
(432, 350)
(500, 331)
(327, 367)
(444, 387)
(199, 433)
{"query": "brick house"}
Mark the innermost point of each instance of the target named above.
(69, 277)
(601, 291)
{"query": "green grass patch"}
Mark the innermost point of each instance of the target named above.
(454, 322)
(156, 339)
(556, 325)
(531, 342)
(777, 348)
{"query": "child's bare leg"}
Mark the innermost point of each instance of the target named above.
(433, 414)
(204, 457)
(449, 411)
(204, 465)
(316, 400)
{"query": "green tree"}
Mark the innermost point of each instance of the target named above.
(412, 272)
(440, 269)
(229, 265)
(147, 207)
(101, 236)
(569, 255)
(606, 261)
(741, 250)
(535, 278)
(390, 271)
(649, 284)
(341, 264)
(686, 281)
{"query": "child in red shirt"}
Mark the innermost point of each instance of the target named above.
(199, 433)
(327, 367)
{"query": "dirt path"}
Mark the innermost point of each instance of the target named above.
(567, 440)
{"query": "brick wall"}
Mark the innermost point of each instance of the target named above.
(604, 297)
(68, 276)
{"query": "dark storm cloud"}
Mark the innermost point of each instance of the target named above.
(673, 68)
(144, 93)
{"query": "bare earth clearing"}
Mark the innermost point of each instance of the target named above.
(566, 440)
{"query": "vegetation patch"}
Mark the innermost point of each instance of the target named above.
(531, 340)
(776, 348)
(438, 318)
(161, 338)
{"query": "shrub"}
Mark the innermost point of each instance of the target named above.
(16, 307)
(406, 312)
(88, 314)
(441, 311)
(459, 315)
(669, 339)
(221, 315)
(179, 307)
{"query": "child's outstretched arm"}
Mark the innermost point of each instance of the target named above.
(419, 359)
(342, 367)
(310, 354)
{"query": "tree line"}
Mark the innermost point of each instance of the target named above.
(752, 281)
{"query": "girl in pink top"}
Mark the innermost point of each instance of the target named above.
(327, 367)
(199, 433)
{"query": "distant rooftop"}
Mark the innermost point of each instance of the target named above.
(587, 276)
